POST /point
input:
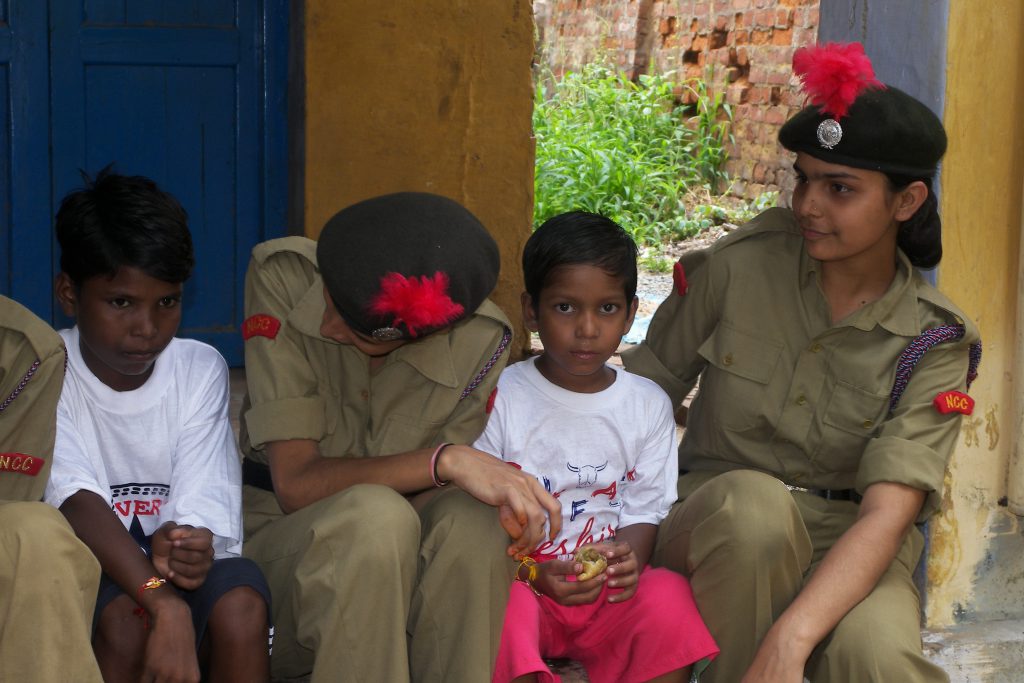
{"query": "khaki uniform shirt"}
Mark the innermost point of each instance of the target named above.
(304, 386)
(783, 389)
(31, 375)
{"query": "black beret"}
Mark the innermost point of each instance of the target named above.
(884, 130)
(403, 265)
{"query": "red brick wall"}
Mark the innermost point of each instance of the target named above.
(746, 45)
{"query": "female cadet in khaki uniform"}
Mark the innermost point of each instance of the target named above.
(366, 353)
(48, 578)
(804, 468)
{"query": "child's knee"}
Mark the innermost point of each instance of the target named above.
(240, 613)
(664, 595)
(120, 630)
(118, 614)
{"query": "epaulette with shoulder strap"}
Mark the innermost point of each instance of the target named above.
(505, 339)
(919, 346)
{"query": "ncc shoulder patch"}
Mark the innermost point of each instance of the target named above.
(953, 402)
(20, 463)
(490, 400)
(261, 325)
(679, 279)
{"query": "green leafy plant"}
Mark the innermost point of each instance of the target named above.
(627, 150)
(654, 261)
(711, 125)
(748, 210)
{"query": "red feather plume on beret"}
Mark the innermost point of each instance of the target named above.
(417, 302)
(834, 75)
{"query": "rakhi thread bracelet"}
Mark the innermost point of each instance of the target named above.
(149, 584)
(531, 574)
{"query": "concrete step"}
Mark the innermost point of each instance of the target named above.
(986, 652)
(570, 671)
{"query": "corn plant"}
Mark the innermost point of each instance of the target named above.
(626, 149)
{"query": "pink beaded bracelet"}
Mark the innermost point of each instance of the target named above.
(433, 466)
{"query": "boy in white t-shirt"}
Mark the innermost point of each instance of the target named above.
(145, 464)
(602, 441)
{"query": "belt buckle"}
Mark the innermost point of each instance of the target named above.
(820, 493)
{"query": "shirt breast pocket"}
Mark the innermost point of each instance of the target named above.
(735, 385)
(852, 418)
(403, 433)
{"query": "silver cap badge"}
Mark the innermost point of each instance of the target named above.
(829, 133)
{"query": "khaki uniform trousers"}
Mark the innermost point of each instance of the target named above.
(748, 545)
(48, 584)
(366, 589)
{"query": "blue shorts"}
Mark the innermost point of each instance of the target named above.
(225, 574)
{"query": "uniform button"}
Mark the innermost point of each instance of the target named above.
(365, 394)
(815, 347)
(868, 424)
(727, 359)
(801, 400)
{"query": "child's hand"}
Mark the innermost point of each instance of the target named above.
(623, 569)
(183, 554)
(553, 581)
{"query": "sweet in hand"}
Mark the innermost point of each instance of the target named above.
(593, 562)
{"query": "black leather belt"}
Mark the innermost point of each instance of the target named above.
(830, 494)
(257, 474)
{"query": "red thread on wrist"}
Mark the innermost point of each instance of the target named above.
(149, 584)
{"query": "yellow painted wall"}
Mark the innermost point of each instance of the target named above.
(982, 180)
(424, 95)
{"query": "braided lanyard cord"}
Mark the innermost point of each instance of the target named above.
(28, 375)
(21, 386)
(919, 346)
(505, 339)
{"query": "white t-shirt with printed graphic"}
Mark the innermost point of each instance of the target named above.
(609, 457)
(163, 452)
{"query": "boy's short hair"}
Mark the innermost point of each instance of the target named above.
(579, 238)
(120, 221)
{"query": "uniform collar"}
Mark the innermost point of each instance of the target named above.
(896, 311)
(431, 356)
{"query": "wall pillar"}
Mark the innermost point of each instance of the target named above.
(1015, 478)
(974, 569)
(964, 59)
(423, 95)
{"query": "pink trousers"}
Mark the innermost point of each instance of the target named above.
(656, 631)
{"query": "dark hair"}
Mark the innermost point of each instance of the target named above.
(920, 236)
(579, 238)
(117, 221)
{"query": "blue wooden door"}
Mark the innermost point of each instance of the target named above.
(25, 205)
(191, 94)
